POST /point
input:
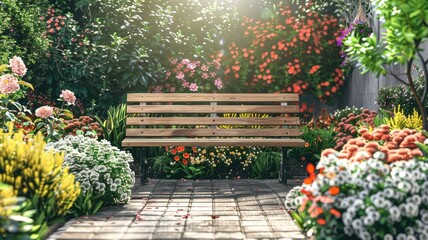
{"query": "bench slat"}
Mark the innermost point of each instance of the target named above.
(220, 97)
(292, 121)
(236, 142)
(212, 109)
(191, 132)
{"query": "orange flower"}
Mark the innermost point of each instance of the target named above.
(335, 213)
(321, 221)
(310, 168)
(186, 155)
(185, 162)
(306, 144)
(334, 190)
(177, 158)
(194, 150)
(173, 151)
(180, 149)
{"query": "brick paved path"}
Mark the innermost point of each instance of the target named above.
(205, 209)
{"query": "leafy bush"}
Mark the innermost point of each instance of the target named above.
(37, 175)
(400, 121)
(390, 97)
(266, 165)
(84, 125)
(99, 167)
(366, 199)
(114, 126)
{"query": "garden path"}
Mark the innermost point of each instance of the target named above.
(180, 209)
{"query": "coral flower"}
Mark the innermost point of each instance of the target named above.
(186, 155)
(173, 151)
(44, 112)
(321, 221)
(185, 162)
(335, 213)
(8, 84)
(68, 96)
(334, 190)
(18, 66)
(180, 149)
(177, 158)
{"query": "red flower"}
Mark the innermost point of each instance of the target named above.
(186, 155)
(177, 158)
(180, 149)
(334, 190)
(185, 162)
(321, 221)
(173, 151)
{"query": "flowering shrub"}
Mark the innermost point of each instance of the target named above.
(99, 167)
(285, 54)
(84, 125)
(396, 144)
(11, 110)
(347, 126)
(191, 75)
(216, 161)
(400, 121)
(37, 175)
(359, 29)
(366, 199)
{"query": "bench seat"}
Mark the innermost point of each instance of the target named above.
(210, 142)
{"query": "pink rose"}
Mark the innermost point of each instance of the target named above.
(180, 76)
(8, 84)
(18, 66)
(193, 87)
(68, 96)
(44, 112)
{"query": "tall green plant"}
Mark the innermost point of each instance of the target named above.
(114, 126)
(405, 24)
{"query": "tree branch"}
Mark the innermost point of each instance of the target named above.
(397, 77)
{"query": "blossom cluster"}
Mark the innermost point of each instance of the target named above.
(98, 166)
(191, 75)
(283, 54)
(354, 199)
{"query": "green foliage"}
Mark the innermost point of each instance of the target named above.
(266, 165)
(114, 126)
(22, 34)
(317, 139)
(15, 220)
(87, 204)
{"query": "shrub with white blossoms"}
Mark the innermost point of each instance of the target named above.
(366, 199)
(98, 166)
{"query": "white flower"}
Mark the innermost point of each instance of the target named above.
(357, 224)
(348, 231)
(388, 237)
(368, 221)
(401, 236)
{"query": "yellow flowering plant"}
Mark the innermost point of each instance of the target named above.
(37, 175)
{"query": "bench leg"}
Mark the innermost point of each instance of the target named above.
(143, 165)
(283, 169)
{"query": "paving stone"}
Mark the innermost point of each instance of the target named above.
(83, 229)
(198, 235)
(166, 235)
(136, 236)
(259, 235)
(229, 235)
(290, 235)
(77, 236)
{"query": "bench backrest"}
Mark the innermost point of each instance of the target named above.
(195, 115)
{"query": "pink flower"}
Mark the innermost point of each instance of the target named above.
(204, 68)
(193, 87)
(18, 66)
(8, 84)
(218, 83)
(191, 65)
(180, 76)
(68, 96)
(205, 75)
(44, 112)
(213, 74)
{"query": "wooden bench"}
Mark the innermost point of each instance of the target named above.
(193, 119)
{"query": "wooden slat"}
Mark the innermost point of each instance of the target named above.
(207, 97)
(292, 121)
(254, 142)
(212, 109)
(191, 132)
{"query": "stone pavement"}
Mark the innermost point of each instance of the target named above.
(205, 209)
